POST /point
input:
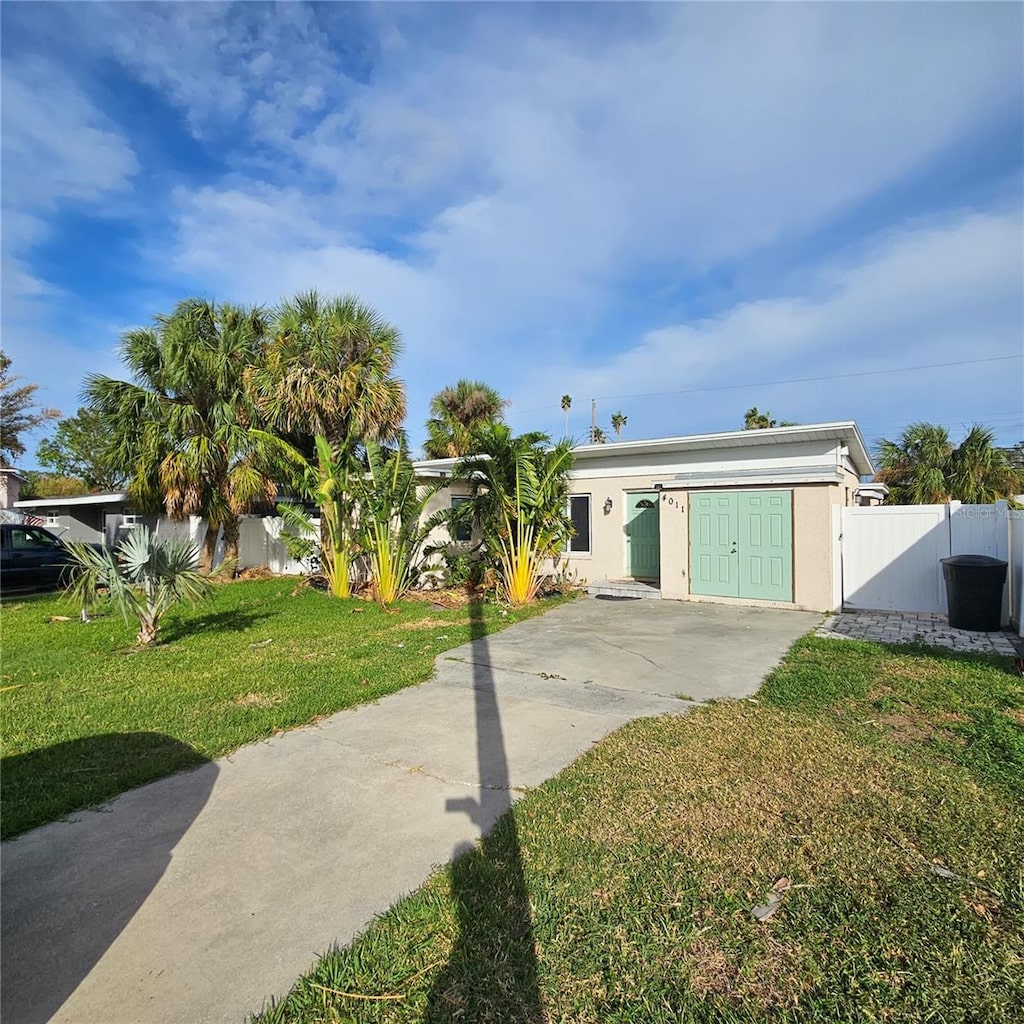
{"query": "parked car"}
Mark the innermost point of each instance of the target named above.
(31, 558)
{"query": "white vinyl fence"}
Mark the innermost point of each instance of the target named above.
(890, 556)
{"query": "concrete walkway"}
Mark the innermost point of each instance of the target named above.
(201, 895)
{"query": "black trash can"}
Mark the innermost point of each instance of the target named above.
(974, 591)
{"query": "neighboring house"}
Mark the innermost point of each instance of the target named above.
(93, 518)
(742, 517)
(10, 486)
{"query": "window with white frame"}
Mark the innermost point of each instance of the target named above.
(131, 518)
(579, 514)
(52, 517)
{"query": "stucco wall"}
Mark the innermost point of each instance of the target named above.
(607, 532)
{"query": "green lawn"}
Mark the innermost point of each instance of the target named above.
(622, 889)
(86, 715)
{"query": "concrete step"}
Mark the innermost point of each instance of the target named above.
(627, 589)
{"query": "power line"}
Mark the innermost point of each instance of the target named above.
(795, 380)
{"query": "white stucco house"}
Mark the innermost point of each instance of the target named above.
(743, 516)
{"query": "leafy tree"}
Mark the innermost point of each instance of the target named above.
(618, 422)
(80, 448)
(19, 414)
(924, 467)
(566, 406)
(456, 413)
(754, 419)
(52, 485)
(145, 577)
(518, 499)
(185, 425)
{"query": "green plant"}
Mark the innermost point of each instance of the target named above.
(456, 413)
(518, 489)
(185, 424)
(924, 467)
(391, 504)
(144, 578)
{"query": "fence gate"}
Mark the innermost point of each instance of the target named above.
(891, 554)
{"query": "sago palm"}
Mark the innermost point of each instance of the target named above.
(458, 411)
(184, 428)
(144, 578)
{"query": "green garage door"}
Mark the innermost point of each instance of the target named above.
(741, 544)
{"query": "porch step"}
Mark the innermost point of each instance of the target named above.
(623, 589)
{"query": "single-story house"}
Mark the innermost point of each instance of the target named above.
(739, 517)
(93, 518)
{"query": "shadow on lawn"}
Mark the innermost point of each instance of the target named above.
(491, 975)
(69, 889)
(236, 620)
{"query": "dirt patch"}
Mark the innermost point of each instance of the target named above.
(430, 623)
(256, 572)
(1017, 714)
(772, 976)
(444, 598)
(257, 700)
(906, 728)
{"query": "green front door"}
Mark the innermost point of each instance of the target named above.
(643, 536)
(741, 544)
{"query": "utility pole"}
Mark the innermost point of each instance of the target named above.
(593, 420)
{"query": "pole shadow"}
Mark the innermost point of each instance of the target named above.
(491, 974)
(70, 888)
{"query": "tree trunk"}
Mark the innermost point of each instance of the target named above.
(232, 528)
(209, 549)
(148, 629)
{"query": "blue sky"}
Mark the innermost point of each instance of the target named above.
(650, 205)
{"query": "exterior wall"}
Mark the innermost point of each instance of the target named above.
(607, 559)
(10, 488)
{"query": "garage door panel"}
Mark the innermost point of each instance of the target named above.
(742, 545)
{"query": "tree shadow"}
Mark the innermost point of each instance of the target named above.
(491, 974)
(235, 620)
(70, 888)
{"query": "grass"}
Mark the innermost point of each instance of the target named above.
(621, 890)
(86, 715)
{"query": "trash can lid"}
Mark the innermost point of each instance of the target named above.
(973, 560)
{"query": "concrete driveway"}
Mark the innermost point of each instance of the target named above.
(201, 895)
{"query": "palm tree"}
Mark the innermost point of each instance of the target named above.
(924, 467)
(184, 428)
(519, 488)
(455, 413)
(143, 578)
(328, 373)
(597, 436)
(618, 422)
(566, 406)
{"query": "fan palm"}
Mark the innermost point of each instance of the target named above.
(184, 428)
(924, 467)
(456, 413)
(566, 406)
(144, 578)
(618, 422)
